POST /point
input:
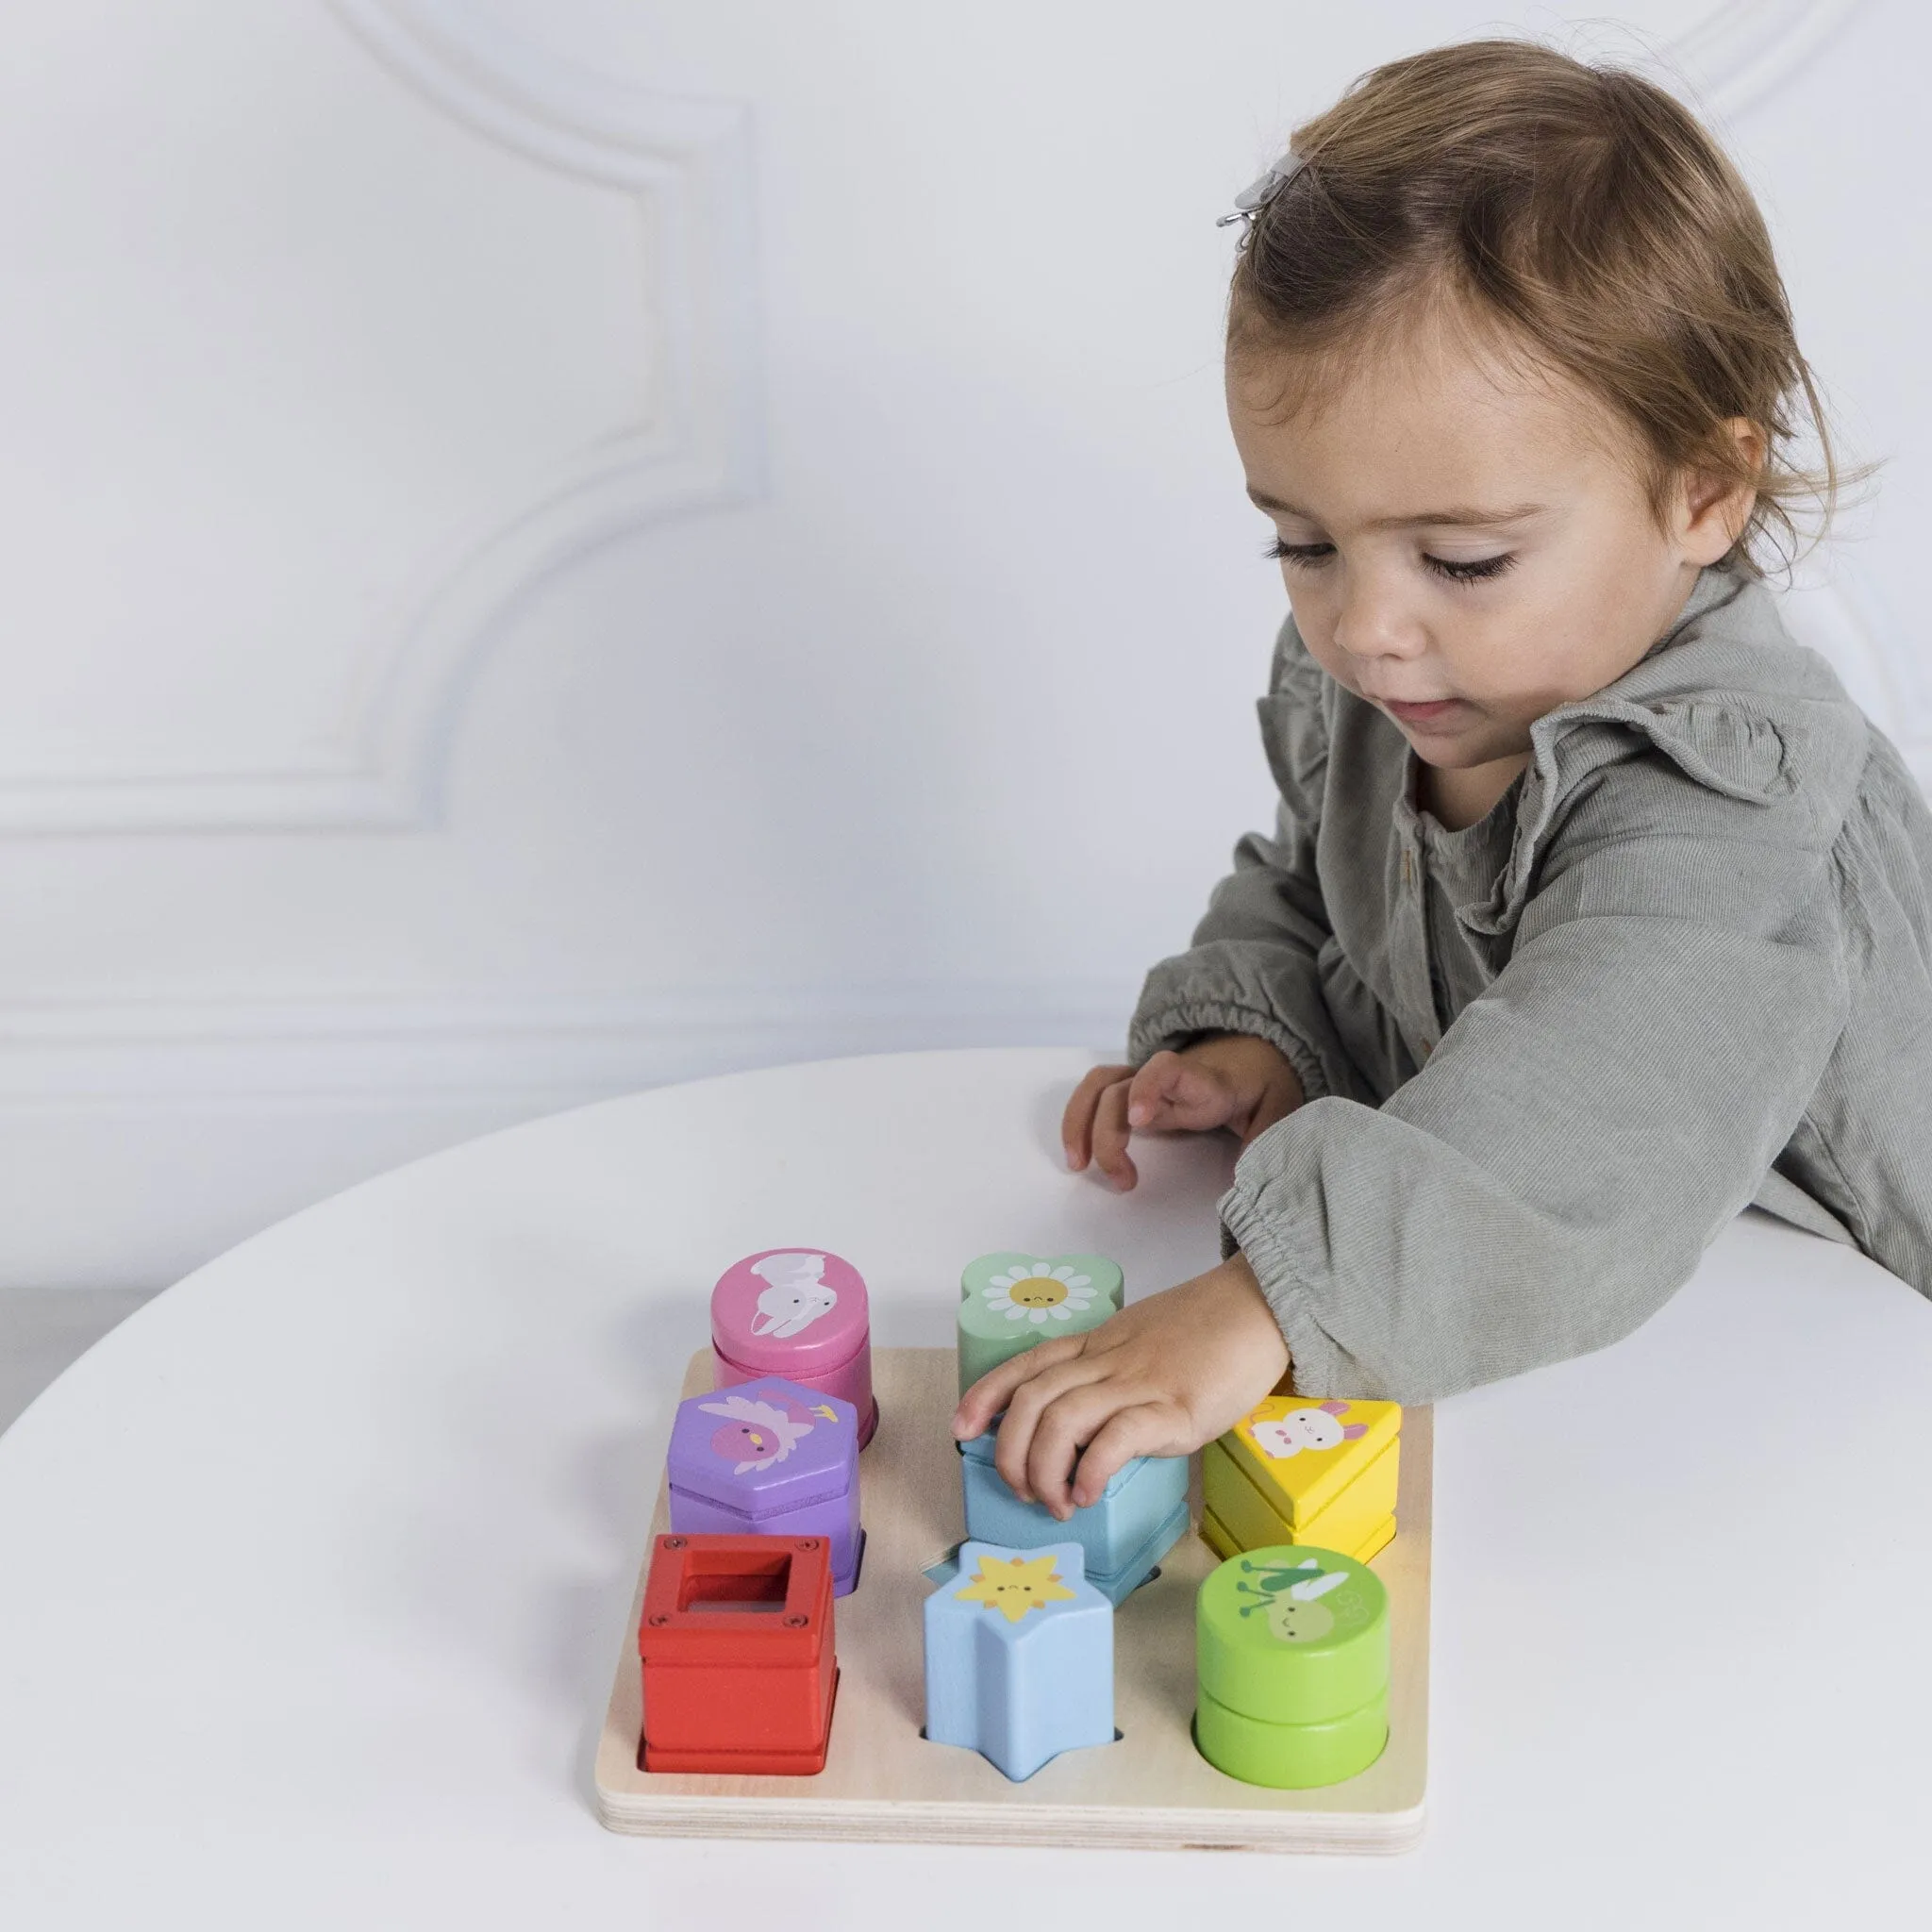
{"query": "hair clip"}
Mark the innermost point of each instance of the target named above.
(1249, 203)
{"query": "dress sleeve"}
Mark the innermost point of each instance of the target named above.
(1252, 964)
(1586, 1126)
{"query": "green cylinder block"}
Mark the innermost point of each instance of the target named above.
(1291, 1756)
(1292, 1656)
(1291, 1634)
(1011, 1301)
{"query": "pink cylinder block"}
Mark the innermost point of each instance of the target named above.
(801, 1313)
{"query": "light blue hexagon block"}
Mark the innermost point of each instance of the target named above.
(1019, 1657)
(1139, 1516)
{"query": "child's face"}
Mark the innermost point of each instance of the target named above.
(1566, 578)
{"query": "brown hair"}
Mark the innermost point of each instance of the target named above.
(1582, 207)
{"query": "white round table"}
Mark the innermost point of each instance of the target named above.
(313, 1574)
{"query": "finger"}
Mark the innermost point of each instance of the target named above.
(1065, 1424)
(1143, 1430)
(1110, 1137)
(1015, 1438)
(993, 1391)
(1077, 1122)
(1173, 1093)
(1149, 1089)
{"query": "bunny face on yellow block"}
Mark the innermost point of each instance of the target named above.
(1293, 1471)
(1302, 1455)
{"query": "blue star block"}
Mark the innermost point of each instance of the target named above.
(1138, 1517)
(1019, 1657)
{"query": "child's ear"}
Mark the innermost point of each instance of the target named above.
(1716, 501)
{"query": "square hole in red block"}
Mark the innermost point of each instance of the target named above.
(714, 1580)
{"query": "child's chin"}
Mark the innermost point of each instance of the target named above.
(1467, 750)
(1446, 753)
(1461, 751)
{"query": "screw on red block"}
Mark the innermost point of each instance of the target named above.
(659, 1622)
(674, 1542)
(810, 1542)
(796, 1623)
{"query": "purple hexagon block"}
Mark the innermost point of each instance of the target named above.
(770, 1457)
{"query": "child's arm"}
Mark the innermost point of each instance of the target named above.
(1557, 1168)
(1232, 1033)
(1584, 1130)
(1253, 964)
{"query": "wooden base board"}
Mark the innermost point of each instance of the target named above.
(1151, 1787)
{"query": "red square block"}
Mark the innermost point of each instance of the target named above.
(738, 1662)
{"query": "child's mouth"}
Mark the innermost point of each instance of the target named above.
(1437, 711)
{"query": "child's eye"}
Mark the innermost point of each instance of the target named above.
(1312, 555)
(1472, 573)
(1307, 555)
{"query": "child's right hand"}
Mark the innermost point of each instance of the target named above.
(1219, 1080)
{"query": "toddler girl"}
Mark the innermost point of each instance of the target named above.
(1595, 910)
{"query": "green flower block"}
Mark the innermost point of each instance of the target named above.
(1008, 1302)
(1292, 1656)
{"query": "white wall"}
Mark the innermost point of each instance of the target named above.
(560, 545)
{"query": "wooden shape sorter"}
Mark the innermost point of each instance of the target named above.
(1151, 1787)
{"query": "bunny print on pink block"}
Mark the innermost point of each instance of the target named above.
(801, 1313)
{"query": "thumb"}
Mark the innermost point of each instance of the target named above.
(1171, 1092)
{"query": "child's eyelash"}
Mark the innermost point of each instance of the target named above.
(1312, 555)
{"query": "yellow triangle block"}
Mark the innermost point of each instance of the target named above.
(1216, 1536)
(1248, 1514)
(1302, 1455)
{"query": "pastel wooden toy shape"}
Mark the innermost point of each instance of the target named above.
(1292, 1665)
(801, 1313)
(740, 1659)
(771, 1457)
(1299, 1471)
(1138, 1518)
(1011, 1301)
(1019, 1657)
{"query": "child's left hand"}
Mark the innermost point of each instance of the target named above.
(1160, 1378)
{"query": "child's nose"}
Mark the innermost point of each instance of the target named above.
(1374, 623)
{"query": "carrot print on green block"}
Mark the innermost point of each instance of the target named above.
(1011, 1301)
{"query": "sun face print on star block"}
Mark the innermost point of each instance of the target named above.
(1011, 1301)
(1019, 1655)
(1014, 1584)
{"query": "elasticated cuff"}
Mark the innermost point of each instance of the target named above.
(1150, 1032)
(1318, 1368)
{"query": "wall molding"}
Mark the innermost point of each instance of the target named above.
(126, 1058)
(688, 163)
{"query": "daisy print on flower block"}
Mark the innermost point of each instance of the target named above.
(1010, 1301)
